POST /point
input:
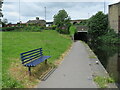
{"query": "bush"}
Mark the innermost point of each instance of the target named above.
(110, 38)
(42, 27)
(64, 31)
(53, 27)
(98, 25)
(29, 29)
(62, 21)
(72, 30)
(9, 28)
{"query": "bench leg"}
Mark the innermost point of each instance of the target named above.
(46, 61)
(29, 70)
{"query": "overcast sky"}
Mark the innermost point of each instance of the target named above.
(29, 9)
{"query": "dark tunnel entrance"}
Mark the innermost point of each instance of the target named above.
(81, 36)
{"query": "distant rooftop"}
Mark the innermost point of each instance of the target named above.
(36, 21)
(114, 4)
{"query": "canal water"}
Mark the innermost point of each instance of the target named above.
(109, 55)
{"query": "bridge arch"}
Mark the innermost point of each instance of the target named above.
(81, 34)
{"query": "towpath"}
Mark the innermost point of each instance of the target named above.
(73, 72)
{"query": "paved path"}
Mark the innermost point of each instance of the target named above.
(74, 72)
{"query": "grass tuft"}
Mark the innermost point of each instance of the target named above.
(103, 81)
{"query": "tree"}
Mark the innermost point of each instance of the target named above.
(5, 21)
(62, 21)
(1, 15)
(1, 2)
(98, 25)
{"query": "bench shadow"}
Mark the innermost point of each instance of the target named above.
(41, 70)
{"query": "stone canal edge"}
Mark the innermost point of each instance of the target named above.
(97, 67)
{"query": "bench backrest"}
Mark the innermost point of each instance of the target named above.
(31, 55)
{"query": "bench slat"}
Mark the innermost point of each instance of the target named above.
(25, 61)
(30, 54)
(32, 51)
(37, 61)
(38, 55)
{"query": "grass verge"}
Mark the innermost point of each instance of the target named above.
(103, 81)
(14, 75)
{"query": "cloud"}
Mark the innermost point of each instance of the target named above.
(62, 0)
(12, 16)
(30, 10)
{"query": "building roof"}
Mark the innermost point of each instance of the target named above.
(36, 21)
(114, 4)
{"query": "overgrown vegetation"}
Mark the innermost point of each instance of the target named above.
(53, 27)
(62, 21)
(29, 29)
(98, 25)
(103, 81)
(110, 38)
(9, 28)
(24, 29)
(83, 23)
(14, 75)
(72, 30)
(99, 30)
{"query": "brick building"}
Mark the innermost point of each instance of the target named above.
(38, 22)
(114, 16)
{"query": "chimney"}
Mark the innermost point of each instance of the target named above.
(37, 18)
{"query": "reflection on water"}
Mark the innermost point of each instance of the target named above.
(109, 55)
